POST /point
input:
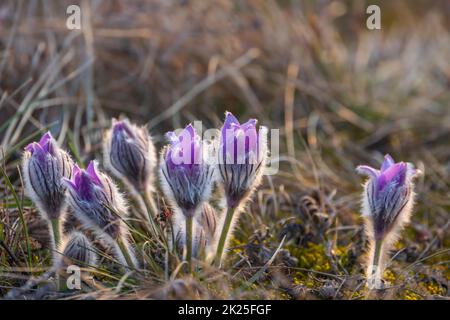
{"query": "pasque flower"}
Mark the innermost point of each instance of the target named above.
(77, 249)
(242, 156)
(129, 153)
(44, 165)
(387, 204)
(100, 207)
(186, 177)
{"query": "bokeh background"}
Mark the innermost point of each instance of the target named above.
(341, 95)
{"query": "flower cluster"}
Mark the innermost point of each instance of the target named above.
(207, 184)
(188, 174)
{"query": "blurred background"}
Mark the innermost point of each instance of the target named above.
(340, 94)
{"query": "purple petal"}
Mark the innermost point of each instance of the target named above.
(396, 173)
(238, 141)
(84, 187)
(45, 138)
(250, 124)
(388, 162)
(185, 149)
(188, 131)
(368, 171)
(76, 175)
(70, 184)
(92, 174)
(30, 147)
(122, 127)
(229, 145)
(43, 144)
(39, 152)
(251, 140)
(230, 120)
(45, 141)
(76, 170)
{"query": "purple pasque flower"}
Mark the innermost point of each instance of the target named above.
(388, 195)
(130, 154)
(96, 201)
(186, 174)
(44, 165)
(239, 143)
(242, 156)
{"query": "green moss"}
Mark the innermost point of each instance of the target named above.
(389, 276)
(312, 256)
(411, 295)
(433, 288)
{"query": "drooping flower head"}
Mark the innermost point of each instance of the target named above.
(96, 200)
(130, 154)
(388, 195)
(242, 156)
(186, 174)
(44, 165)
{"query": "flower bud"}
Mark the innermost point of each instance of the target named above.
(242, 157)
(130, 154)
(96, 201)
(78, 250)
(388, 195)
(186, 175)
(44, 165)
(388, 198)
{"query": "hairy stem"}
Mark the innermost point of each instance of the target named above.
(189, 243)
(224, 236)
(55, 225)
(56, 232)
(126, 252)
(151, 211)
(375, 274)
(150, 204)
